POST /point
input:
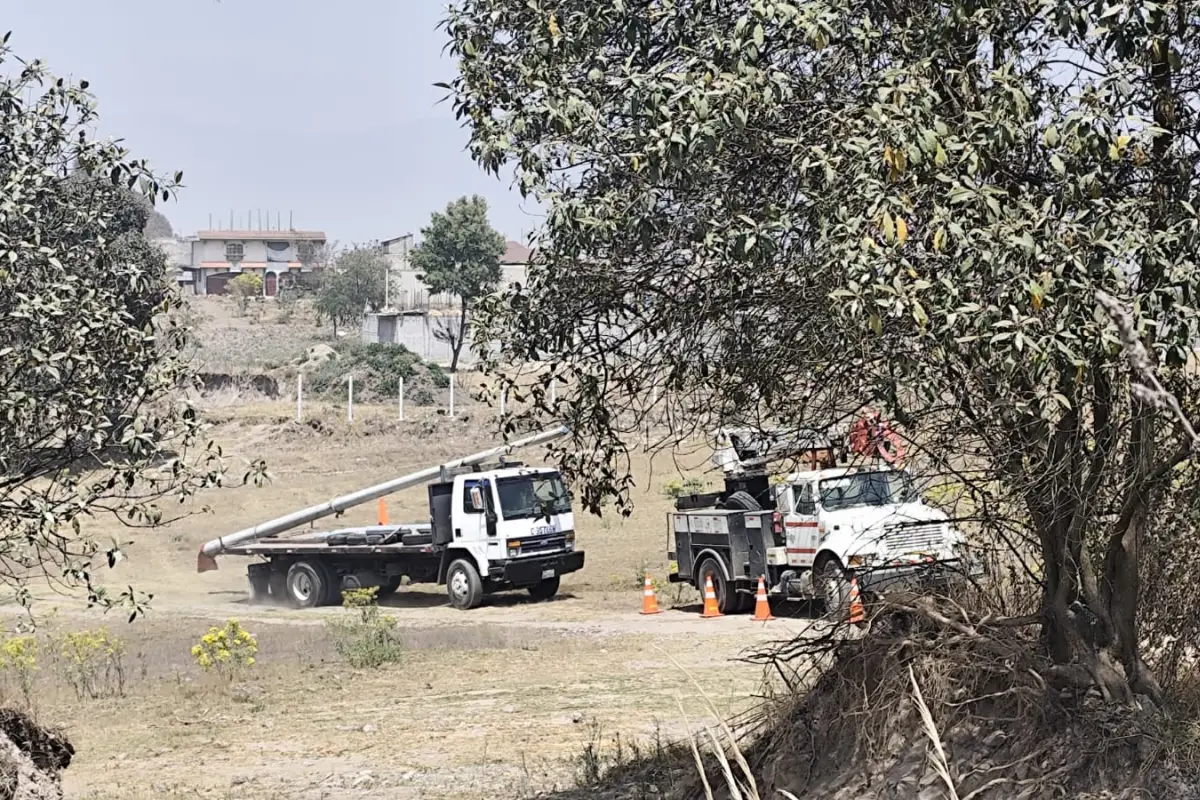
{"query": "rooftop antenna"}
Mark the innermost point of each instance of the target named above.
(278, 225)
(291, 227)
(260, 227)
(210, 227)
(230, 219)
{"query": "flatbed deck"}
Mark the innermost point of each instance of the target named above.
(291, 548)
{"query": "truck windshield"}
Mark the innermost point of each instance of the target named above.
(866, 489)
(528, 496)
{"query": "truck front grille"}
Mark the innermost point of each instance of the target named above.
(920, 538)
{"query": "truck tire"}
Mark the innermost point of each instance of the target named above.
(333, 586)
(260, 589)
(833, 589)
(307, 585)
(277, 583)
(742, 500)
(729, 600)
(545, 590)
(463, 585)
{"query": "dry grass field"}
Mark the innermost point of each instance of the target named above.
(503, 701)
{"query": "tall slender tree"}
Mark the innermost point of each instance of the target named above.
(460, 253)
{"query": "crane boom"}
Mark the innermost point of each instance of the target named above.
(206, 560)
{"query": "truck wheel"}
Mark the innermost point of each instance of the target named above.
(260, 588)
(277, 582)
(545, 590)
(463, 585)
(743, 500)
(728, 599)
(333, 585)
(833, 589)
(306, 585)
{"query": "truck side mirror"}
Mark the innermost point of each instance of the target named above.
(490, 522)
(477, 499)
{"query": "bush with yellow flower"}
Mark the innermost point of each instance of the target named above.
(226, 650)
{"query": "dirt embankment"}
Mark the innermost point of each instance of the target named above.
(909, 711)
(32, 759)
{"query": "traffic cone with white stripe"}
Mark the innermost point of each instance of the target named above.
(649, 600)
(710, 598)
(858, 614)
(762, 604)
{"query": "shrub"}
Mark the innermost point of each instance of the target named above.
(365, 637)
(377, 369)
(92, 662)
(19, 662)
(227, 650)
(244, 288)
(682, 487)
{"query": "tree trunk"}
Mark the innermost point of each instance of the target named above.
(456, 342)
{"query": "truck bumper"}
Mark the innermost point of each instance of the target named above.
(918, 576)
(530, 571)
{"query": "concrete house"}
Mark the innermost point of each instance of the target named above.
(279, 257)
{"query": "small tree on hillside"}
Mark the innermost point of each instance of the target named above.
(460, 253)
(355, 283)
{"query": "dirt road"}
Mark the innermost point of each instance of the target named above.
(501, 701)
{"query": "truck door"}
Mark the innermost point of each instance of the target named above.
(800, 525)
(472, 525)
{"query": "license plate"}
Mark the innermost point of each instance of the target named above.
(547, 573)
(674, 567)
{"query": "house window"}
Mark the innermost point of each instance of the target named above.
(234, 251)
(306, 252)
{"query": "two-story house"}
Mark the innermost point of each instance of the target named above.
(279, 257)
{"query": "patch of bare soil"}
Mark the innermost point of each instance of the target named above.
(911, 712)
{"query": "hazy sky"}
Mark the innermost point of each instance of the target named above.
(321, 107)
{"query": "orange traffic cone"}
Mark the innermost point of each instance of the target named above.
(710, 598)
(649, 601)
(383, 517)
(858, 614)
(762, 606)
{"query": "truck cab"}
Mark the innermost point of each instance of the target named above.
(514, 525)
(869, 518)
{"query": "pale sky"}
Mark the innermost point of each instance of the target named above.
(322, 107)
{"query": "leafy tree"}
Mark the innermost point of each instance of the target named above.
(244, 288)
(460, 253)
(90, 347)
(791, 209)
(353, 284)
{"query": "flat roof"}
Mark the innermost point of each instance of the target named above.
(266, 236)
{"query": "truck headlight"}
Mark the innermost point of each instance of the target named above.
(569, 541)
(514, 549)
(861, 560)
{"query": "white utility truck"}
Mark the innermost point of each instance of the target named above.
(492, 527)
(809, 532)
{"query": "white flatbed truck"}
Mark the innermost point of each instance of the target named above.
(492, 528)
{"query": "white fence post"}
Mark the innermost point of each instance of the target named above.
(553, 390)
(452, 394)
(503, 400)
(299, 397)
(400, 395)
(350, 396)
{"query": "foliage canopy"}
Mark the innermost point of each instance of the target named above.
(91, 351)
(460, 253)
(792, 209)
